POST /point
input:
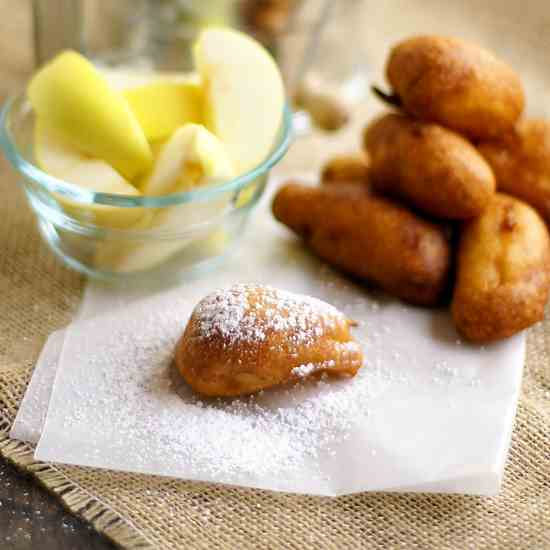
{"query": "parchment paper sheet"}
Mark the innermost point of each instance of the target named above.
(427, 412)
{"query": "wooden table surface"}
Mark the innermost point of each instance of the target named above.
(30, 517)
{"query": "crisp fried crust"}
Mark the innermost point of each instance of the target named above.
(430, 167)
(251, 337)
(370, 237)
(521, 162)
(346, 169)
(503, 271)
(457, 84)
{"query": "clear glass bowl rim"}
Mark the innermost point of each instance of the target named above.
(75, 193)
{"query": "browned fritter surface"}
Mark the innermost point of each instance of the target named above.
(521, 162)
(346, 169)
(370, 237)
(430, 167)
(502, 271)
(457, 84)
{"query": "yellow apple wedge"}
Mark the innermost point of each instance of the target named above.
(243, 94)
(161, 101)
(73, 98)
(163, 106)
(60, 159)
(192, 157)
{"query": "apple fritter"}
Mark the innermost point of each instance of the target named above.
(370, 237)
(457, 84)
(428, 166)
(521, 163)
(251, 337)
(503, 275)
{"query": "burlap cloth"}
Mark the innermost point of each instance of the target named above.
(38, 296)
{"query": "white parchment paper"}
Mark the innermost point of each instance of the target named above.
(31, 415)
(427, 412)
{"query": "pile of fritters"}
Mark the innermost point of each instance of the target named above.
(447, 199)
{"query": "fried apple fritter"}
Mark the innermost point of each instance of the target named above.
(428, 166)
(370, 237)
(503, 275)
(457, 84)
(521, 163)
(251, 337)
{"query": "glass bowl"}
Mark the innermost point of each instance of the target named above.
(115, 237)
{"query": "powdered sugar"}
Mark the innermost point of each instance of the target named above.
(247, 313)
(305, 370)
(309, 368)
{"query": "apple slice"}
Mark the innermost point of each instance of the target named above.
(74, 99)
(243, 94)
(60, 159)
(163, 106)
(191, 158)
(161, 101)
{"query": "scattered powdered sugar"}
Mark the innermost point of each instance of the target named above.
(128, 408)
(145, 418)
(445, 375)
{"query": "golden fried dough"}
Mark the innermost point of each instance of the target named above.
(457, 84)
(251, 337)
(503, 273)
(370, 237)
(346, 169)
(521, 162)
(428, 166)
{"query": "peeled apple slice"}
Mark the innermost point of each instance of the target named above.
(60, 159)
(163, 106)
(243, 94)
(74, 99)
(191, 158)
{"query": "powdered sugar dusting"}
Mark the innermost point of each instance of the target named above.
(303, 371)
(247, 313)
